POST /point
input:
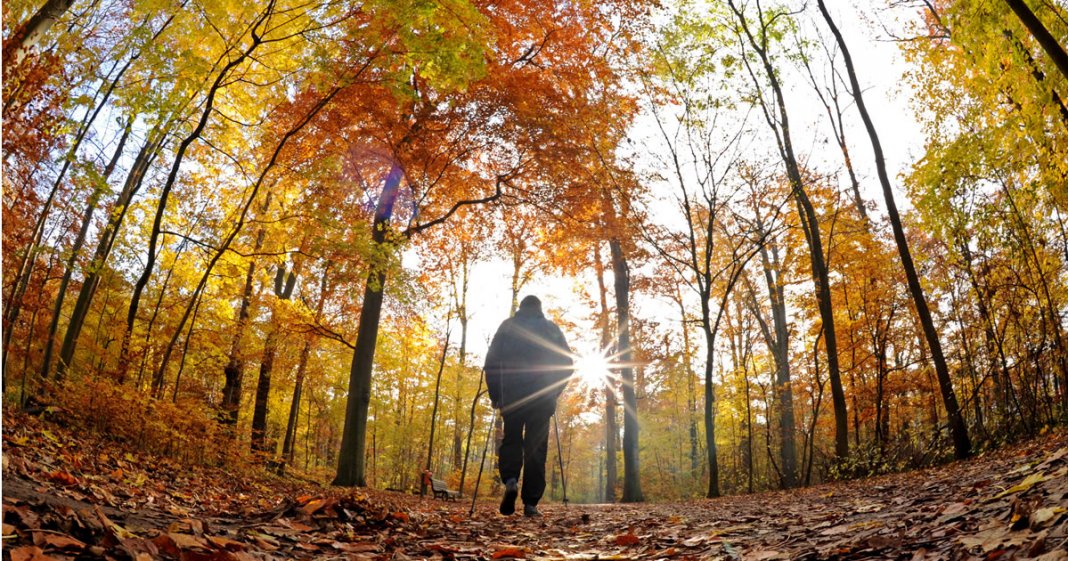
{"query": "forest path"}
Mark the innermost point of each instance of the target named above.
(68, 497)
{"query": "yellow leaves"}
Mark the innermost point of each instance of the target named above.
(1024, 485)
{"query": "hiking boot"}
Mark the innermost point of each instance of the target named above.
(511, 491)
(530, 511)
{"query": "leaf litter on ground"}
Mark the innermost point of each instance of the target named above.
(82, 497)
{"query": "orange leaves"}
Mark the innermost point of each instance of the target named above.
(29, 553)
(63, 478)
(627, 539)
(510, 552)
(313, 506)
(57, 541)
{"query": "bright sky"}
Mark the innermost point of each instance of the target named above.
(879, 66)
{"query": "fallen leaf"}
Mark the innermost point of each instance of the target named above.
(188, 541)
(1041, 516)
(764, 555)
(312, 506)
(694, 541)
(627, 539)
(166, 545)
(401, 516)
(1023, 485)
(355, 547)
(29, 553)
(228, 544)
(515, 552)
(63, 478)
(60, 542)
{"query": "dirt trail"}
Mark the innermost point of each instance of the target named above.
(64, 499)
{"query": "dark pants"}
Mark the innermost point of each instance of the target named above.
(525, 446)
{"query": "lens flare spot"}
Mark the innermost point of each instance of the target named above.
(593, 368)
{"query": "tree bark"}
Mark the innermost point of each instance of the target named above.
(289, 444)
(185, 351)
(958, 430)
(434, 411)
(781, 348)
(1049, 43)
(632, 488)
(284, 291)
(810, 227)
(351, 461)
(72, 259)
(611, 429)
(133, 183)
(34, 30)
(157, 221)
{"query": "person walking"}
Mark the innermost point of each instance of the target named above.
(527, 367)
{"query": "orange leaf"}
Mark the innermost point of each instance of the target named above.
(166, 545)
(187, 541)
(355, 547)
(401, 516)
(63, 478)
(29, 553)
(313, 506)
(516, 552)
(627, 539)
(225, 543)
(63, 542)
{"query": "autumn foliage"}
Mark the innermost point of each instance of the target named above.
(264, 235)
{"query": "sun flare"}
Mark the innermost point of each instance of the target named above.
(593, 368)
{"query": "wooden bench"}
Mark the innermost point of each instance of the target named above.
(442, 491)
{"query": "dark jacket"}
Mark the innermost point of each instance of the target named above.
(528, 362)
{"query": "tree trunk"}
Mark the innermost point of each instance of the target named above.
(781, 354)
(185, 351)
(133, 183)
(289, 443)
(350, 469)
(434, 411)
(284, 291)
(959, 431)
(470, 431)
(710, 412)
(234, 371)
(157, 221)
(632, 488)
(34, 30)
(611, 429)
(157, 377)
(810, 227)
(1049, 43)
(691, 387)
(72, 259)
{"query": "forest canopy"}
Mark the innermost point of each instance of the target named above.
(790, 241)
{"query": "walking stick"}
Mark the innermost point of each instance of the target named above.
(481, 463)
(560, 457)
